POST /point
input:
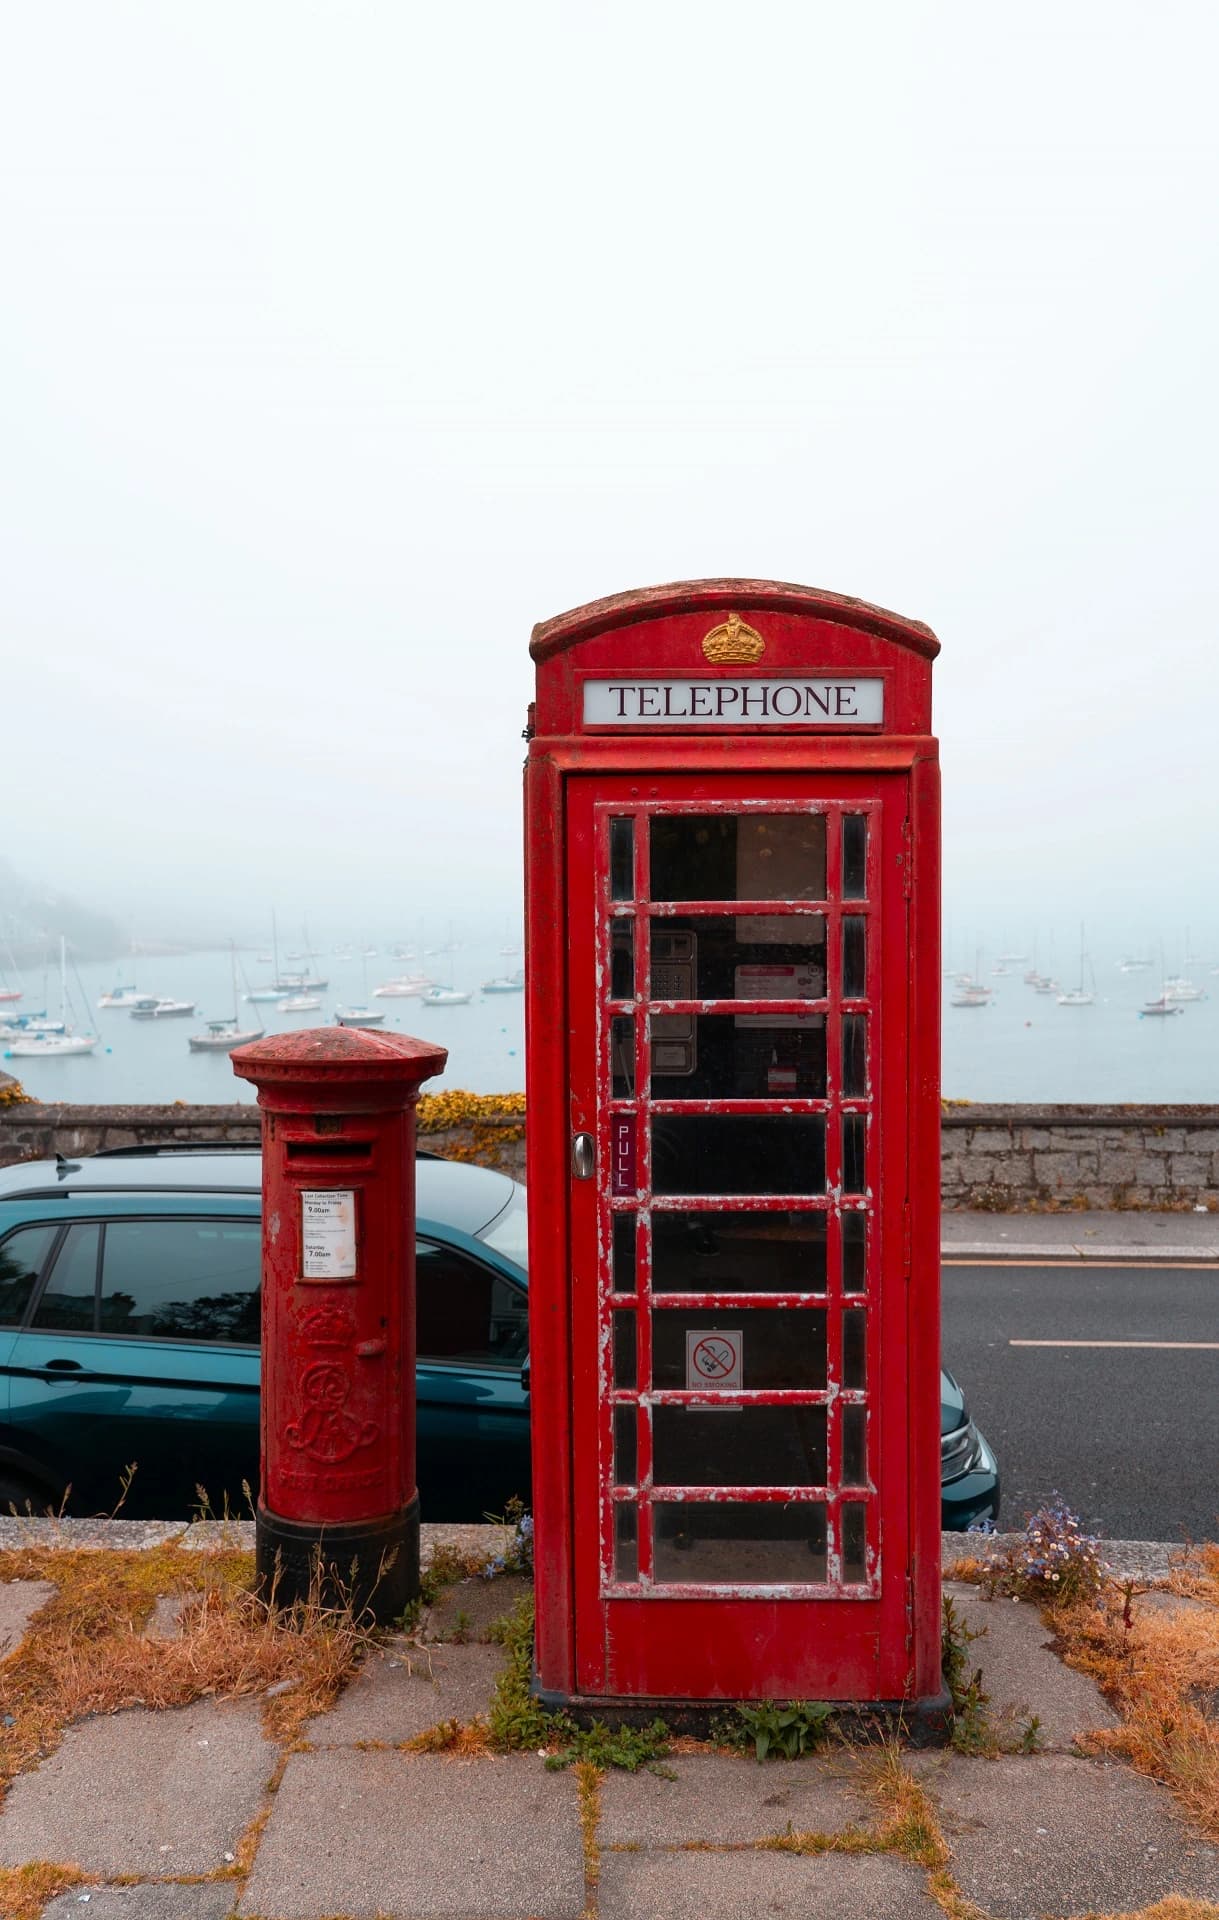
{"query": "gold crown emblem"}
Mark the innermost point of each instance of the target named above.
(734, 643)
(327, 1327)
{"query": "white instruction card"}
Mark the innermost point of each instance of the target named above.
(328, 1236)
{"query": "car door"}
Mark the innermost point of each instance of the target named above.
(142, 1352)
(472, 1336)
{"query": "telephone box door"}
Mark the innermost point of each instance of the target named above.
(737, 988)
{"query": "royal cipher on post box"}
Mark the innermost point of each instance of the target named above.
(733, 1148)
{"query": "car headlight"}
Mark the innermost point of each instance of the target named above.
(960, 1451)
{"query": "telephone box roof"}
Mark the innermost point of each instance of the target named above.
(566, 630)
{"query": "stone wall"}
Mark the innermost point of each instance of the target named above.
(1004, 1159)
(997, 1158)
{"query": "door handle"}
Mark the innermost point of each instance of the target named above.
(63, 1370)
(583, 1157)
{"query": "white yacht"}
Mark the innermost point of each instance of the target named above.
(300, 1003)
(125, 997)
(358, 1017)
(221, 1036)
(153, 1009)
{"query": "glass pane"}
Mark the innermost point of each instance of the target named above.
(624, 1350)
(465, 1315)
(854, 955)
(624, 1252)
(709, 959)
(739, 1446)
(183, 1280)
(724, 1056)
(68, 1298)
(622, 1057)
(854, 1350)
(854, 1136)
(626, 1542)
(853, 1516)
(854, 1248)
(854, 1053)
(738, 1252)
(701, 1542)
(854, 856)
(778, 1346)
(756, 856)
(622, 959)
(624, 1446)
(622, 859)
(21, 1260)
(854, 1446)
(737, 1153)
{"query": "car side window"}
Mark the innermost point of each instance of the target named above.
(182, 1280)
(67, 1301)
(466, 1315)
(22, 1258)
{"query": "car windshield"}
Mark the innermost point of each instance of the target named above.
(508, 1233)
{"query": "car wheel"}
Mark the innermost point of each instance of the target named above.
(24, 1495)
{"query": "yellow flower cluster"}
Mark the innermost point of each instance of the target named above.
(443, 1112)
(14, 1095)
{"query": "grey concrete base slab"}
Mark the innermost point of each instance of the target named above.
(718, 1798)
(1056, 1835)
(19, 1602)
(390, 1700)
(757, 1886)
(469, 1607)
(419, 1837)
(211, 1901)
(1021, 1673)
(142, 1792)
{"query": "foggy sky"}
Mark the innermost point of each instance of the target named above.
(339, 344)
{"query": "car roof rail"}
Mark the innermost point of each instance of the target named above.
(153, 1147)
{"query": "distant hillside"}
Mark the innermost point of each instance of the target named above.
(33, 915)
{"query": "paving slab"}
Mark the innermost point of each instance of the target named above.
(1130, 1234)
(403, 1691)
(19, 1602)
(748, 1885)
(469, 1607)
(718, 1798)
(1021, 1673)
(145, 1902)
(1056, 1835)
(165, 1620)
(419, 1837)
(142, 1792)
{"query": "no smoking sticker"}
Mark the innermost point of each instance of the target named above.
(714, 1357)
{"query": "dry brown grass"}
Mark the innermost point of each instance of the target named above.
(588, 1786)
(468, 1740)
(85, 1652)
(1176, 1907)
(1158, 1668)
(25, 1891)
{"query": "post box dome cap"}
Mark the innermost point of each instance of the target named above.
(694, 596)
(339, 1053)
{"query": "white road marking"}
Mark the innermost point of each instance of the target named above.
(1171, 1346)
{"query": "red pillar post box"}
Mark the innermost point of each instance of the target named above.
(733, 1149)
(338, 1501)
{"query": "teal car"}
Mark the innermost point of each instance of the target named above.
(129, 1330)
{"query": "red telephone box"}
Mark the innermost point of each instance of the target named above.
(733, 1082)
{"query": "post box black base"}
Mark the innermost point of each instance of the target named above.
(370, 1565)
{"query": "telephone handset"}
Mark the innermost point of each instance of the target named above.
(674, 1035)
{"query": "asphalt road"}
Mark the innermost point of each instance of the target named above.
(1129, 1435)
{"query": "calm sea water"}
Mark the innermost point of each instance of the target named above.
(1021, 1047)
